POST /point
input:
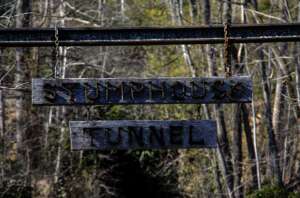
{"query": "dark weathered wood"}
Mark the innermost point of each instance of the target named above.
(141, 91)
(130, 134)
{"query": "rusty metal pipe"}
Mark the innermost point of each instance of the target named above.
(38, 37)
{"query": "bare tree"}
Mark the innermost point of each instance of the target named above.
(177, 12)
(58, 175)
(2, 131)
(240, 57)
(297, 65)
(23, 19)
(272, 144)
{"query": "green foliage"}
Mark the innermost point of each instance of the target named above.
(148, 13)
(264, 5)
(116, 112)
(165, 61)
(273, 192)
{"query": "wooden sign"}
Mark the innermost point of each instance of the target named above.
(125, 134)
(141, 91)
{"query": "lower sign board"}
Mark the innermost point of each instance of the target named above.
(141, 91)
(129, 134)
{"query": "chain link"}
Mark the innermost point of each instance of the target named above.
(227, 51)
(56, 43)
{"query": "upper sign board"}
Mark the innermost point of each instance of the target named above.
(141, 91)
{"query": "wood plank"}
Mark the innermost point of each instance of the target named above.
(131, 134)
(141, 91)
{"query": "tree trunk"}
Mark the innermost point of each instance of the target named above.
(22, 73)
(223, 150)
(240, 63)
(22, 76)
(217, 174)
(206, 12)
(193, 10)
(227, 13)
(289, 80)
(297, 65)
(237, 151)
(58, 178)
(278, 108)
(2, 132)
(272, 144)
(176, 10)
(122, 10)
(250, 146)
(295, 159)
(279, 119)
(233, 167)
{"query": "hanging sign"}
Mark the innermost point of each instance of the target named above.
(141, 91)
(130, 134)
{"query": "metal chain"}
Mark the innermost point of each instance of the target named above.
(56, 43)
(227, 51)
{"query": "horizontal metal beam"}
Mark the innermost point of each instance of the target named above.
(149, 36)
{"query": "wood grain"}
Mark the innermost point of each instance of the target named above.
(141, 91)
(131, 134)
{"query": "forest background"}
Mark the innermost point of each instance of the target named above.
(259, 143)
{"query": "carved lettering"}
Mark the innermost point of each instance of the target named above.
(50, 93)
(156, 135)
(192, 140)
(176, 135)
(113, 137)
(154, 88)
(198, 91)
(92, 133)
(132, 134)
(142, 91)
(91, 92)
(219, 90)
(135, 88)
(136, 133)
(111, 89)
(235, 91)
(178, 90)
(68, 89)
